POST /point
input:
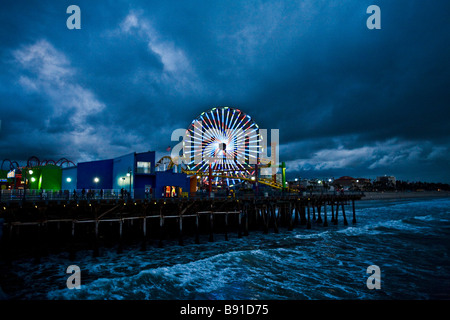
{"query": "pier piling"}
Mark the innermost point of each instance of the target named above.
(343, 214)
(37, 244)
(275, 218)
(72, 243)
(180, 235)
(240, 225)
(144, 234)
(336, 216)
(332, 212)
(290, 222)
(95, 249)
(308, 226)
(211, 227)
(161, 231)
(197, 230)
(264, 219)
(296, 215)
(44, 228)
(226, 226)
(120, 247)
(302, 213)
(319, 217)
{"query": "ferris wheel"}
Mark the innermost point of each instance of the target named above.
(224, 139)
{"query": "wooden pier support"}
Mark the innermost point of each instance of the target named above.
(343, 214)
(290, 222)
(72, 243)
(211, 227)
(319, 217)
(302, 213)
(332, 212)
(180, 234)
(264, 213)
(275, 218)
(246, 222)
(95, 249)
(144, 234)
(161, 231)
(37, 244)
(226, 226)
(354, 211)
(336, 216)
(308, 225)
(6, 245)
(197, 230)
(120, 247)
(240, 225)
(325, 222)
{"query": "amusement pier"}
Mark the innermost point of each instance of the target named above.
(225, 184)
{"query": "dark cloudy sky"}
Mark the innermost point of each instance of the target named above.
(347, 100)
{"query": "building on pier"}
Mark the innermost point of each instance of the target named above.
(133, 173)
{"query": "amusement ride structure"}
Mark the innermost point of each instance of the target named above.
(223, 147)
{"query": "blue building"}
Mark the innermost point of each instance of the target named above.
(134, 172)
(95, 174)
(69, 178)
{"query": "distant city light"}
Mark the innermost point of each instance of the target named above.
(329, 180)
(68, 179)
(96, 180)
(33, 179)
(296, 179)
(30, 171)
(128, 174)
(320, 181)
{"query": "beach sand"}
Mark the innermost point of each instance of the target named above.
(405, 195)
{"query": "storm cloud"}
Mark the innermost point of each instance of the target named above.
(347, 100)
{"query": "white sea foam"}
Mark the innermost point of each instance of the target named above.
(202, 276)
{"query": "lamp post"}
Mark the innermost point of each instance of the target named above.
(129, 176)
(121, 190)
(30, 172)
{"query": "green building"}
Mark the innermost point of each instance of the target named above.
(46, 177)
(3, 179)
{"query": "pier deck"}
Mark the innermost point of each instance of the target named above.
(38, 227)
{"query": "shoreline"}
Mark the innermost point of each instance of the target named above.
(404, 195)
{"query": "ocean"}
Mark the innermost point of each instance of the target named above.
(409, 240)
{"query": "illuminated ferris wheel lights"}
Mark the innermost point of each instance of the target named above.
(224, 139)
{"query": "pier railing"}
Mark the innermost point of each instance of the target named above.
(79, 194)
(21, 195)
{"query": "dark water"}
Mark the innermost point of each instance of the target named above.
(409, 240)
